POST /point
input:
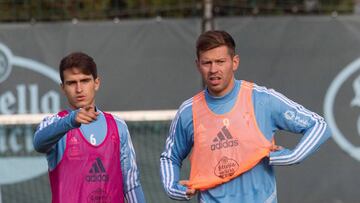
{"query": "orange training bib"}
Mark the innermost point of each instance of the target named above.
(225, 145)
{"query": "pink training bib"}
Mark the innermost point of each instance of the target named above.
(87, 173)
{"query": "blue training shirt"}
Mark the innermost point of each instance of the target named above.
(50, 138)
(273, 112)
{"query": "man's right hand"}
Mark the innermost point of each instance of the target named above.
(189, 191)
(86, 115)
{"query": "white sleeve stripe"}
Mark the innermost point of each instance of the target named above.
(304, 153)
(119, 119)
(131, 197)
(282, 98)
(312, 115)
(132, 174)
(305, 150)
(170, 139)
(49, 120)
(300, 109)
(176, 194)
(186, 104)
(166, 168)
(134, 196)
(128, 197)
(165, 162)
(172, 192)
(298, 106)
(129, 181)
(306, 142)
(296, 156)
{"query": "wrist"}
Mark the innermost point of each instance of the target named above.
(73, 122)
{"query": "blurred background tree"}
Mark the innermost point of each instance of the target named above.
(61, 10)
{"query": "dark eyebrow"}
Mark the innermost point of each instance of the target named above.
(85, 79)
(69, 81)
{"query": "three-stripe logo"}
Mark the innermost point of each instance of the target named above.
(97, 172)
(224, 139)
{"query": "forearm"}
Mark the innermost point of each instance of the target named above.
(170, 174)
(131, 177)
(135, 195)
(310, 142)
(281, 113)
(51, 130)
(178, 145)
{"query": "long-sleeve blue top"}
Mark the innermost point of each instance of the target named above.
(50, 138)
(273, 112)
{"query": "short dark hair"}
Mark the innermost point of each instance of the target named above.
(78, 60)
(213, 39)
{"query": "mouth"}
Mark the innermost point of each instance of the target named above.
(214, 80)
(80, 98)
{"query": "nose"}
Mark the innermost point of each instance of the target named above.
(213, 67)
(78, 87)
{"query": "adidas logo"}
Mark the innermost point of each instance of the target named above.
(223, 139)
(74, 141)
(97, 172)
